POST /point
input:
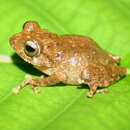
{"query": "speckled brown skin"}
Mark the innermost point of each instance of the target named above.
(70, 59)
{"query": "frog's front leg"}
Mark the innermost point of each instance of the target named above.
(43, 82)
(55, 78)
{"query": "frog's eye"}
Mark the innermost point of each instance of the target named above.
(32, 48)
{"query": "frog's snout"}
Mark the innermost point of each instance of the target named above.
(12, 41)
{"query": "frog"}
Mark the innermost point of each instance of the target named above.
(67, 58)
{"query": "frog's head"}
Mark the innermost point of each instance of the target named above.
(29, 43)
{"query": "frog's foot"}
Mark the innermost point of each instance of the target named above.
(92, 91)
(102, 91)
(90, 94)
(23, 84)
(33, 84)
(33, 87)
(28, 81)
(16, 90)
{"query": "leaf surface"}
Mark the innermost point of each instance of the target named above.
(65, 107)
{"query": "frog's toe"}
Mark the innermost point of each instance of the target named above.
(36, 90)
(102, 91)
(90, 94)
(92, 90)
(16, 90)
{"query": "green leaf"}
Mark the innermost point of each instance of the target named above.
(65, 107)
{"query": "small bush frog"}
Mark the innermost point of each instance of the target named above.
(70, 59)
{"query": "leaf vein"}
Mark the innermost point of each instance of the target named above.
(65, 109)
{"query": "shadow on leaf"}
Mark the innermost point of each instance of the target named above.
(26, 67)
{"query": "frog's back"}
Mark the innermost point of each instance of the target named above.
(87, 48)
(79, 41)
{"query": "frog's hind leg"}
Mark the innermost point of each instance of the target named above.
(92, 90)
(93, 76)
(115, 58)
(98, 75)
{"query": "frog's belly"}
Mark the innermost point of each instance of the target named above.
(73, 76)
(73, 68)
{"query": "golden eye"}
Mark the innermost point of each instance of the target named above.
(32, 48)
